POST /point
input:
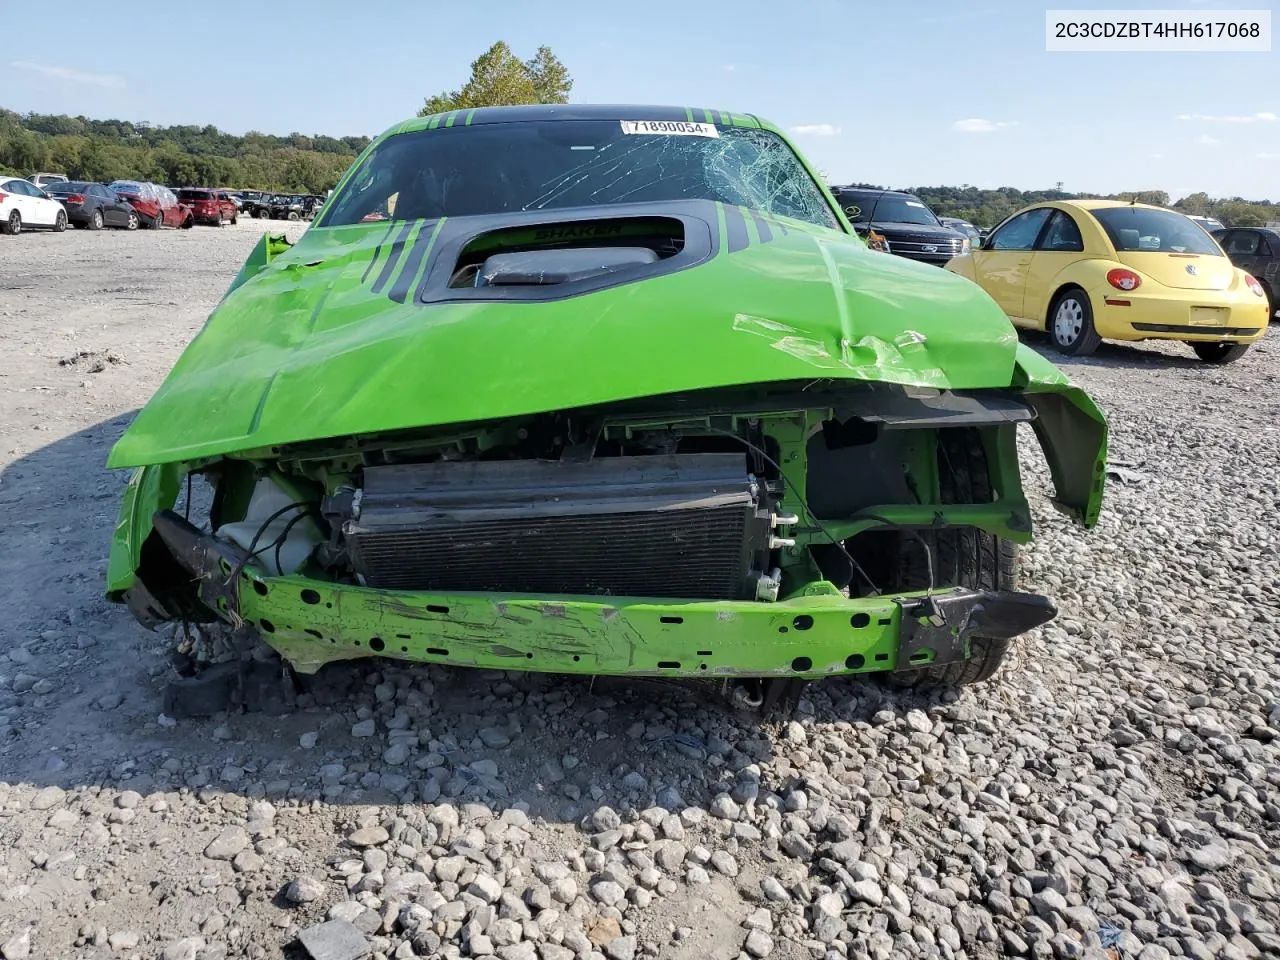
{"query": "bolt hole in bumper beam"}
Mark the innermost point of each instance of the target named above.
(822, 633)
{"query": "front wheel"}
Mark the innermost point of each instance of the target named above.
(95, 221)
(132, 223)
(60, 224)
(961, 557)
(13, 226)
(293, 215)
(1071, 324)
(1218, 353)
(235, 218)
(157, 221)
(264, 214)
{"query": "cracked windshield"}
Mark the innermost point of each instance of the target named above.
(503, 168)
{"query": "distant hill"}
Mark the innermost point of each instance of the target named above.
(107, 150)
(986, 208)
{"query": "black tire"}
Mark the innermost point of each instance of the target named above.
(60, 222)
(13, 226)
(157, 221)
(293, 215)
(1219, 353)
(190, 222)
(235, 218)
(962, 557)
(1070, 323)
(264, 214)
(96, 221)
(133, 222)
(1271, 303)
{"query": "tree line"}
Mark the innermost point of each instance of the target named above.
(106, 150)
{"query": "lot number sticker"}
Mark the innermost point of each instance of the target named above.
(679, 128)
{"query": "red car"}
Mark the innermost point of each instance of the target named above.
(157, 206)
(210, 206)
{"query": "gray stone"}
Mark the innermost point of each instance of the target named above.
(608, 892)
(334, 940)
(369, 837)
(304, 890)
(495, 737)
(621, 948)
(486, 888)
(364, 729)
(188, 948)
(17, 947)
(227, 844)
(758, 944)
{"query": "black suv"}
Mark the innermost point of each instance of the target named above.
(1256, 251)
(908, 226)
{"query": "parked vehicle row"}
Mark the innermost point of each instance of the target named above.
(51, 201)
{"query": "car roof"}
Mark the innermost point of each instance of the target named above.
(593, 111)
(1105, 204)
(527, 113)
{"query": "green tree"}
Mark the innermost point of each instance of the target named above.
(500, 78)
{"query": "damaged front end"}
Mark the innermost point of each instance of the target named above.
(793, 531)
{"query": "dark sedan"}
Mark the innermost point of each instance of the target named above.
(92, 205)
(1256, 251)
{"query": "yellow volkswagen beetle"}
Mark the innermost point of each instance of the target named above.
(1092, 270)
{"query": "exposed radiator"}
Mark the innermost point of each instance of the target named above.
(686, 526)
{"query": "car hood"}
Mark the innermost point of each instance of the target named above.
(347, 333)
(942, 233)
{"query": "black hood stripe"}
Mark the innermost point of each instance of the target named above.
(396, 249)
(417, 253)
(763, 230)
(377, 252)
(735, 228)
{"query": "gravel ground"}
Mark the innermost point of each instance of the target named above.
(1115, 793)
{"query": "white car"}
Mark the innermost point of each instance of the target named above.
(23, 204)
(44, 179)
(1209, 223)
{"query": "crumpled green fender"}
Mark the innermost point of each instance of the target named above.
(150, 489)
(268, 247)
(1072, 431)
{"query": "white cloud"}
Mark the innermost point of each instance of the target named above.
(1207, 140)
(815, 130)
(1263, 116)
(729, 67)
(980, 125)
(1157, 156)
(1267, 156)
(68, 75)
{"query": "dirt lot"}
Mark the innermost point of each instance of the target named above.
(1116, 793)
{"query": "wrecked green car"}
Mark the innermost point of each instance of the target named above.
(600, 390)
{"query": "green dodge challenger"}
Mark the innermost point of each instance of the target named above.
(609, 390)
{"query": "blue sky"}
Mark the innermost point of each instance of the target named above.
(921, 92)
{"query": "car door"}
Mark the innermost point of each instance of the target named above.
(1002, 263)
(1242, 249)
(39, 209)
(112, 209)
(1059, 245)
